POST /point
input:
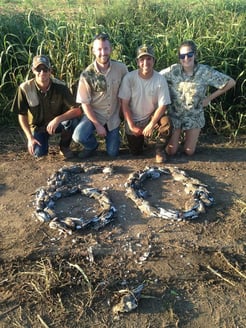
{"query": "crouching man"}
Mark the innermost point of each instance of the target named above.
(45, 106)
(145, 95)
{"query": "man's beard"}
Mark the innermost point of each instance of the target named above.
(104, 60)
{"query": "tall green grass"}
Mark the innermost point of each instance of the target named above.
(65, 33)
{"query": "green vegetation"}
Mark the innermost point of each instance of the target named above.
(65, 32)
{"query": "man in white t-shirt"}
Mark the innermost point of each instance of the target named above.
(145, 95)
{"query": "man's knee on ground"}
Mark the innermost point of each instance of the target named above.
(171, 150)
(189, 151)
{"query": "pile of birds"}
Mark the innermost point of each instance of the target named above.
(201, 197)
(65, 183)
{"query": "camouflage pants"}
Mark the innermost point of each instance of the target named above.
(162, 133)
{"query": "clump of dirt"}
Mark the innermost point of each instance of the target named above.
(193, 271)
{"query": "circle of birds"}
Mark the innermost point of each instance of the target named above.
(63, 184)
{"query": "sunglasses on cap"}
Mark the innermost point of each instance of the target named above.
(189, 55)
(44, 69)
(101, 36)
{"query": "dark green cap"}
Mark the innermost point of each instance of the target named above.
(145, 50)
(41, 59)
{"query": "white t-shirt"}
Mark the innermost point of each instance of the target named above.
(145, 95)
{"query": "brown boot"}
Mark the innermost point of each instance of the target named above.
(66, 153)
(66, 138)
(160, 156)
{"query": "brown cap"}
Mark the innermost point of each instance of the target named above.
(145, 50)
(41, 60)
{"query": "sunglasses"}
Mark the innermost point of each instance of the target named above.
(44, 69)
(189, 55)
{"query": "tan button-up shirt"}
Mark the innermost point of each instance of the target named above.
(101, 92)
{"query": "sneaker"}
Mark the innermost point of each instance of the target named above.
(66, 153)
(86, 153)
(160, 157)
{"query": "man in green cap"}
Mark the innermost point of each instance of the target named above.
(145, 95)
(45, 106)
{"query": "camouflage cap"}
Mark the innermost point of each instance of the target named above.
(41, 60)
(145, 50)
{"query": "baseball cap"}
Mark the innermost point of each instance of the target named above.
(41, 59)
(145, 50)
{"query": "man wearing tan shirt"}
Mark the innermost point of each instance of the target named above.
(98, 93)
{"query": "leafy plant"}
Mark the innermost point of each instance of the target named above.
(65, 33)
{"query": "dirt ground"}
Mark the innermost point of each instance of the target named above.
(193, 272)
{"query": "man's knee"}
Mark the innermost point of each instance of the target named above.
(189, 151)
(78, 135)
(40, 151)
(171, 149)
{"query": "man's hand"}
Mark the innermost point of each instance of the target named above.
(148, 130)
(136, 131)
(52, 126)
(31, 145)
(101, 131)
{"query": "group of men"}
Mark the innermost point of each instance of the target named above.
(45, 105)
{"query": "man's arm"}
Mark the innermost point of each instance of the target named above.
(70, 114)
(31, 141)
(101, 131)
(159, 112)
(128, 117)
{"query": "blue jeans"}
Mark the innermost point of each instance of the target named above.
(84, 134)
(65, 128)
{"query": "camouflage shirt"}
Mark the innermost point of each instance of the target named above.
(101, 92)
(187, 93)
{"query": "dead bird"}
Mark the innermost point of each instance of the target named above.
(129, 300)
(69, 222)
(78, 223)
(108, 170)
(191, 188)
(60, 226)
(43, 215)
(132, 194)
(41, 193)
(205, 197)
(142, 193)
(196, 182)
(169, 214)
(91, 192)
(63, 191)
(147, 209)
(93, 169)
(179, 175)
(74, 169)
(189, 215)
(195, 204)
(104, 218)
(153, 173)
